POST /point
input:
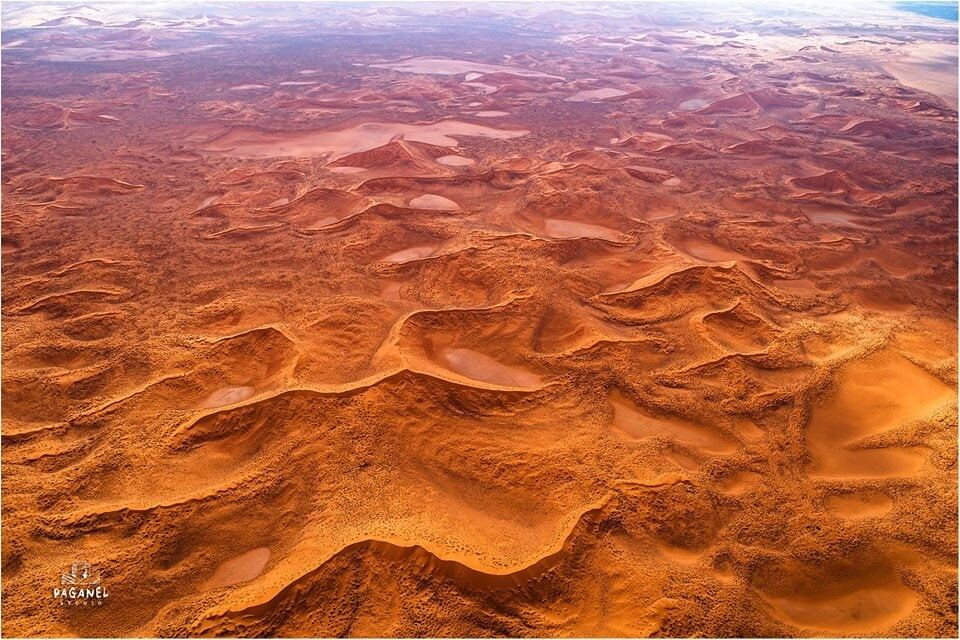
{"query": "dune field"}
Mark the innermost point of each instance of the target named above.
(479, 320)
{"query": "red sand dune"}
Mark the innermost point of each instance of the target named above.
(481, 320)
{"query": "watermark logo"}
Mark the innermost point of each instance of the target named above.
(81, 585)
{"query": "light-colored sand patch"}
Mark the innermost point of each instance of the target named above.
(413, 253)
(703, 250)
(479, 366)
(450, 67)
(491, 114)
(296, 83)
(243, 568)
(683, 460)
(592, 95)
(694, 104)
(739, 483)
(859, 612)
(857, 505)
(470, 77)
(323, 222)
(209, 200)
(928, 66)
(631, 420)
(456, 161)
(346, 170)
(682, 556)
(95, 54)
(565, 229)
(831, 215)
(433, 201)
(748, 429)
(894, 261)
(659, 212)
(225, 396)
(246, 142)
(873, 395)
(248, 87)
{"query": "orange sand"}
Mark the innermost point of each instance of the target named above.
(506, 321)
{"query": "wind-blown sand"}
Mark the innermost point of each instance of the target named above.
(590, 95)
(456, 161)
(433, 201)
(254, 143)
(506, 320)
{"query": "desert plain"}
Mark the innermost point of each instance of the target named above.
(480, 319)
